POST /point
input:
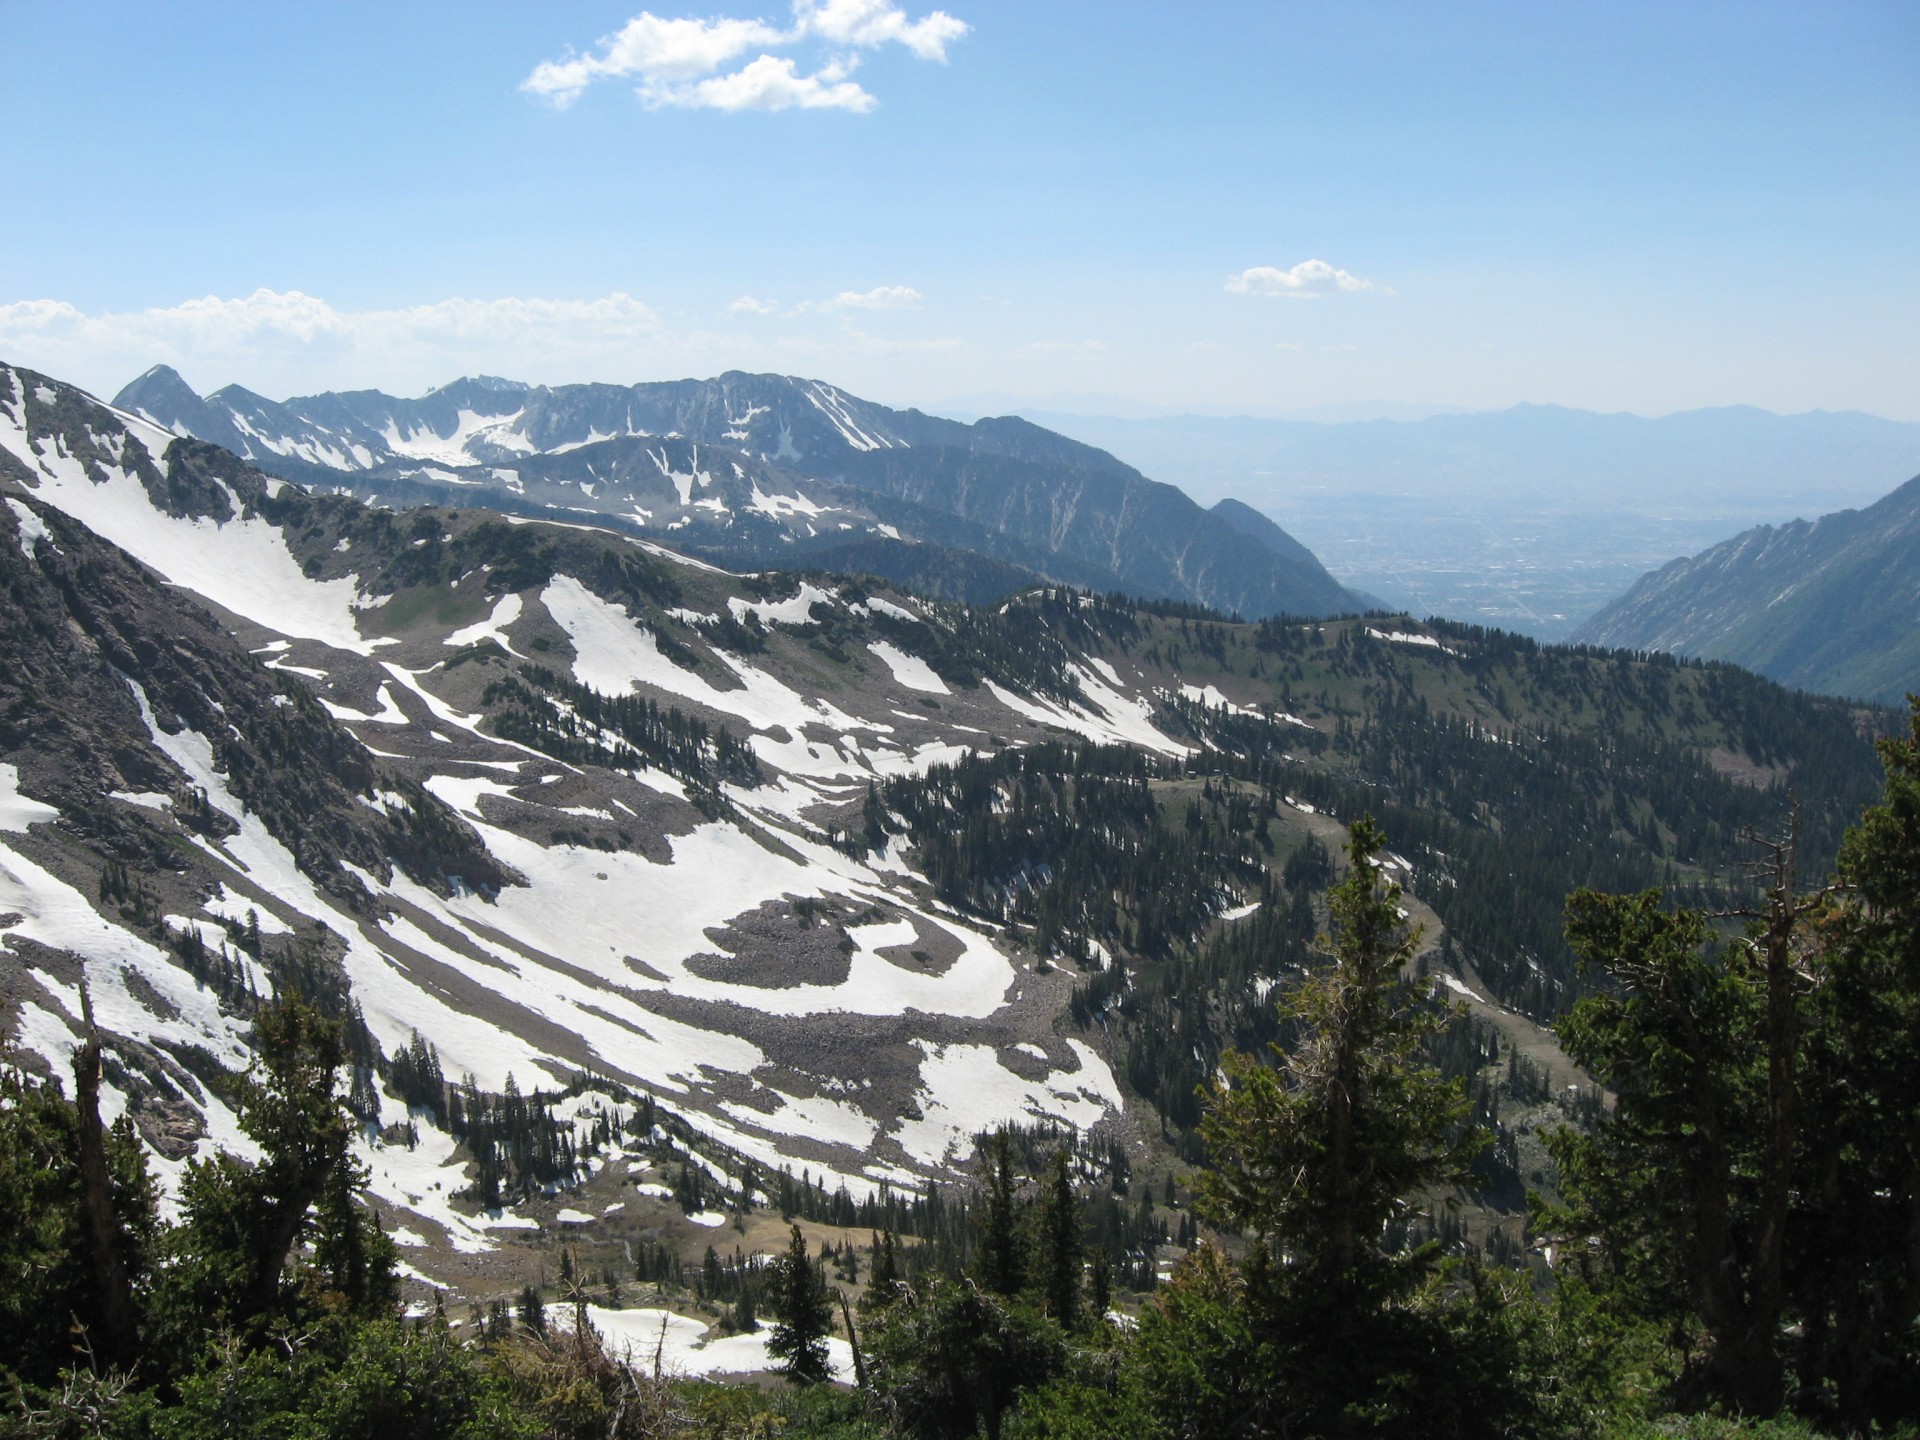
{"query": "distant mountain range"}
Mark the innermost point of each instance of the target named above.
(766, 469)
(1831, 605)
(1529, 518)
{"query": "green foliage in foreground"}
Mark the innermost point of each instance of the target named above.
(1738, 1238)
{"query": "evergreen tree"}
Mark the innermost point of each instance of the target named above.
(235, 1258)
(1001, 1262)
(1662, 1184)
(1058, 1251)
(1708, 1200)
(1863, 1216)
(953, 1359)
(1327, 1324)
(50, 1275)
(1319, 1154)
(802, 1316)
(533, 1311)
(884, 1274)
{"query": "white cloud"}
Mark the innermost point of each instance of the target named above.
(881, 297)
(1309, 280)
(676, 61)
(869, 23)
(282, 343)
(291, 339)
(650, 46)
(769, 83)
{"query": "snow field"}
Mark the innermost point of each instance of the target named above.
(506, 610)
(909, 670)
(965, 1090)
(17, 811)
(613, 654)
(243, 565)
(32, 529)
(639, 1333)
(1110, 718)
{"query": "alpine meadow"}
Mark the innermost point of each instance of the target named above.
(1084, 722)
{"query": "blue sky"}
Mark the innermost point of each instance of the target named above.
(1622, 206)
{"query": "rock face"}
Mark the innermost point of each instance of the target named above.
(1831, 605)
(759, 469)
(107, 668)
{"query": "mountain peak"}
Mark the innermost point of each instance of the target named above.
(156, 384)
(494, 383)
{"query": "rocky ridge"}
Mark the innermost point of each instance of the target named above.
(769, 469)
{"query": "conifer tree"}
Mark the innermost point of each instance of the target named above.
(802, 1316)
(1058, 1251)
(884, 1273)
(533, 1311)
(1321, 1152)
(999, 1248)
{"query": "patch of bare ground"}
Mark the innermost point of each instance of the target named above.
(776, 947)
(1743, 771)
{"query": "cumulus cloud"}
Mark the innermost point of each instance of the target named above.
(871, 23)
(678, 63)
(769, 83)
(281, 343)
(651, 47)
(881, 297)
(292, 339)
(1309, 280)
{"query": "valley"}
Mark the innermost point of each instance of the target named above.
(829, 876)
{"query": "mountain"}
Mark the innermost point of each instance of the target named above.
(651, 892)
(1529, 518)
(1831, 605)
(255, 735)
(761, 469)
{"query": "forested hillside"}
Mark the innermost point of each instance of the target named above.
(430, 936)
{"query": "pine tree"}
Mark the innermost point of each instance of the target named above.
(884, 1274)
(1001, 1263)
(533, 1311)
(1319, 1154)
(803, 1318)
(1058, 1251)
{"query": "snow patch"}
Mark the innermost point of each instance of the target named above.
(17, 812)
(909, 670)
(506, 610)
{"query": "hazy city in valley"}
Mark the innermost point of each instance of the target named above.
(870, 722)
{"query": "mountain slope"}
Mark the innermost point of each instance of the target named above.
(1002, 489)
(812, 873)
(656, 905)
(1831, 605)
